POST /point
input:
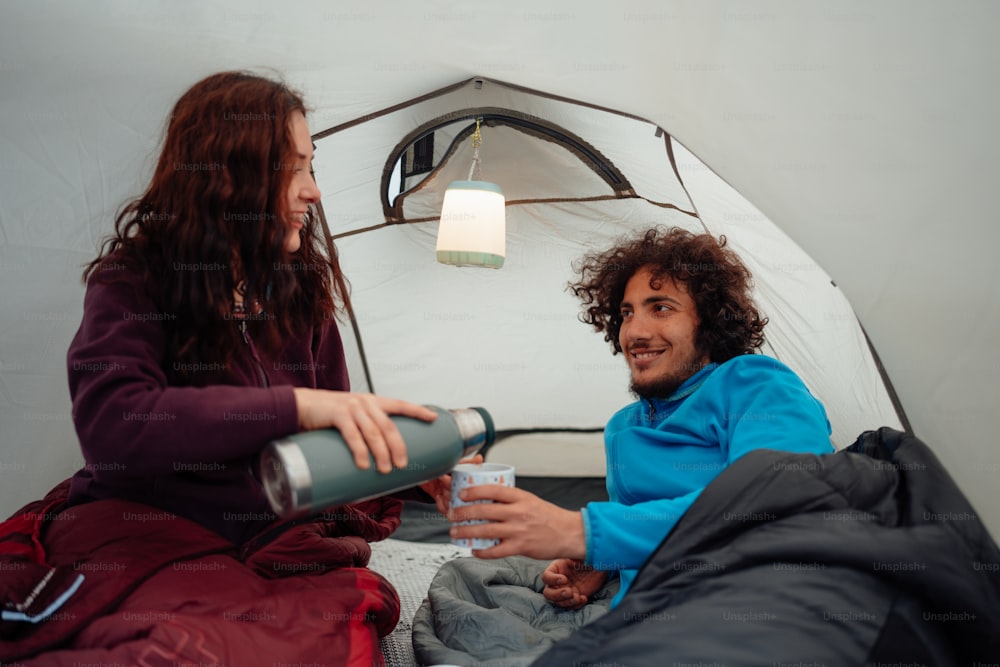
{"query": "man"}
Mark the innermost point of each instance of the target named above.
(678, 306)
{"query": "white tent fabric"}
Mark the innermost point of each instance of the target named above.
(865, 132)
(510, 340)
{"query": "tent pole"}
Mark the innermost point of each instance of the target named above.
(331, 249)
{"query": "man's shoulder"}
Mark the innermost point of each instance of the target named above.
(756, 376)
(752, 365)
(749, 373)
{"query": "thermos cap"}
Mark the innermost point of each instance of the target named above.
(475, 425)
(491, 431)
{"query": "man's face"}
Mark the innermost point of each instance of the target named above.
(657, 336)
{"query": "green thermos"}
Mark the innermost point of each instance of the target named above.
(312, 470)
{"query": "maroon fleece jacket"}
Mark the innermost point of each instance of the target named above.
(189, 450)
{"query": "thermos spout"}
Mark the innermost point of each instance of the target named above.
(476, 428)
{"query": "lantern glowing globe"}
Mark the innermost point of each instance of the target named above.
(473, 225)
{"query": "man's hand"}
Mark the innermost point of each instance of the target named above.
(524, 523)
(439, 488)
(570, 583)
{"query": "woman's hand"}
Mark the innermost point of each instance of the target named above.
(524, 523)
(439, 488)
(569, 583)
(363, 421)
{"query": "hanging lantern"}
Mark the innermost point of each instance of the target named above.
(473, 227)
(472, 231)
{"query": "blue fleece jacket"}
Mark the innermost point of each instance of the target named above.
(661, 453)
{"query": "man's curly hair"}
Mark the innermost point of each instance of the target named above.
(719, 283)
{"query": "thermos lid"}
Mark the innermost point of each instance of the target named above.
(491, 432)
(475, 427)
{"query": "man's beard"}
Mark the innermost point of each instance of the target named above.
(661, 387)
(665, 385)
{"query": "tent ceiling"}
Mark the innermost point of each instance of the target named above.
(510, 340)
(866, 131)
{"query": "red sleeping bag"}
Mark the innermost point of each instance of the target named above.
(118, 582)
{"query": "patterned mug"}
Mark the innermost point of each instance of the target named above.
(465, 475)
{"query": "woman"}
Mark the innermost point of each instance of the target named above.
(208, 325)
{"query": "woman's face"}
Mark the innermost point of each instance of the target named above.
(302, 189)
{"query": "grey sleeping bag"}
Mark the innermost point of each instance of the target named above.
(870, 556)
(491, 613)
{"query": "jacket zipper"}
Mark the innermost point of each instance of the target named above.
(256, 357)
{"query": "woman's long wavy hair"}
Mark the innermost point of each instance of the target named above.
(213, 218)
(719, 283)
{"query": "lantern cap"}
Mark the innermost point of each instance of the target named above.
(475, 185)
(487, 260)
